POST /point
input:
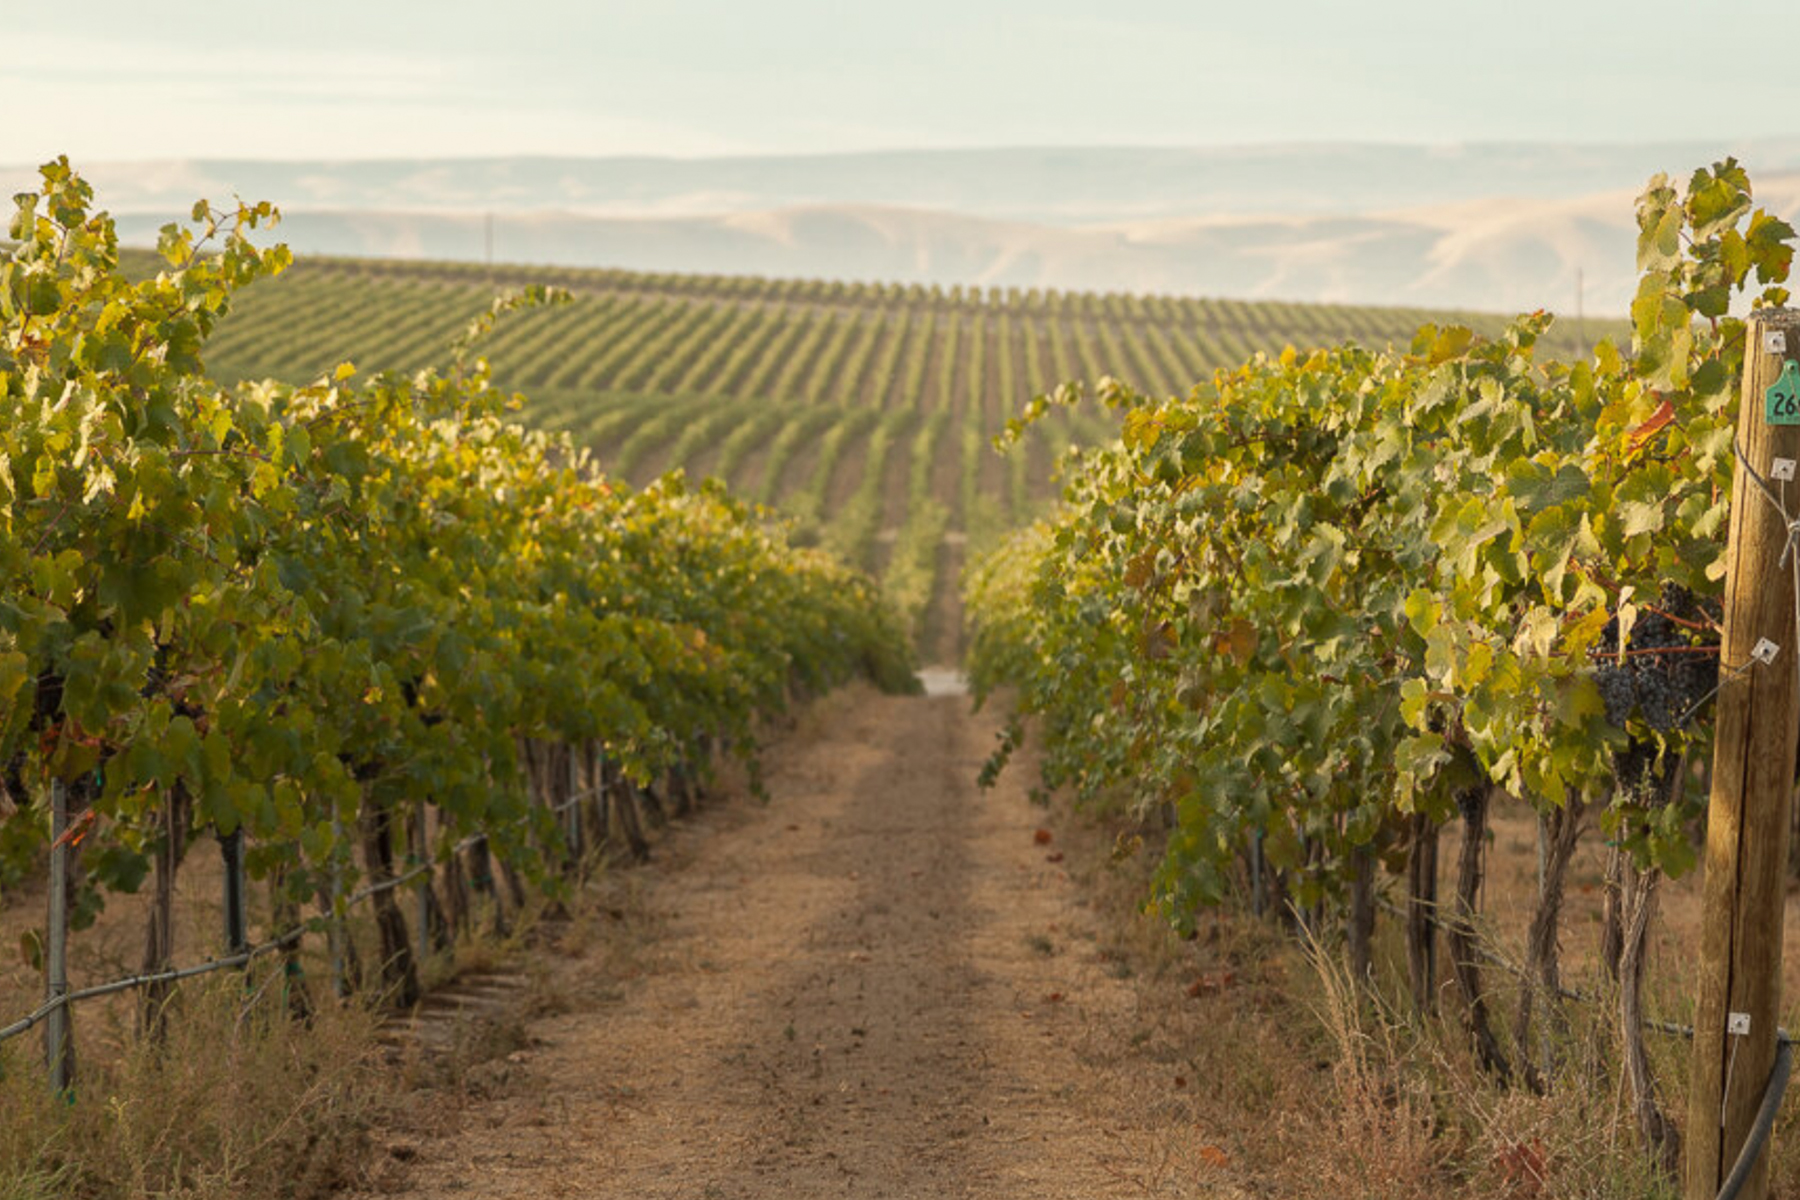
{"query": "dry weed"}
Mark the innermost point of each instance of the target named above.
(1384, 1123)
(237, 1100)
(1306, 1082)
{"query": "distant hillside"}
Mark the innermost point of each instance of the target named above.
(1502, 228)
(1036, 185)
(864, 412)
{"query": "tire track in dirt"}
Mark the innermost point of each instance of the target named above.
(875, 986)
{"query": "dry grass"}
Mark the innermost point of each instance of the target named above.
(1383, 1114)
(1242, 1063)
(1418, 1118)
(237, 1101)
(240, 1100)
(1309, 1084)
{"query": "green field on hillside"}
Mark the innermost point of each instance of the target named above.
(863, 411)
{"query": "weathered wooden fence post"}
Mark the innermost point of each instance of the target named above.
(1758, 720)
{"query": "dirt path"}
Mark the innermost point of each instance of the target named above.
(878, 985)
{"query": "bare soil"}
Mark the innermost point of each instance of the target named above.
(998, 407)
(942, 639)
(882, 983)
(896, 496)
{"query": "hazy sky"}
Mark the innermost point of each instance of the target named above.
(112, 79)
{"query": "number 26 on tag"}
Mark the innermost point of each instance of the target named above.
(1782, 400)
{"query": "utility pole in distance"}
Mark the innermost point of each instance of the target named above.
(1758, 723)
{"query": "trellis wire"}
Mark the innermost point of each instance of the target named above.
(58, 1004)
(1495, 959)
(43, 1011)
(1773, 1091)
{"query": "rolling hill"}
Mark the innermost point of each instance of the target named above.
(1501, 227)
(864, 412)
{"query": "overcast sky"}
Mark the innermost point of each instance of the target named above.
(129, 79)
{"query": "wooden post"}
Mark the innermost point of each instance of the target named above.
(237, 922)
(59, 1032)
(1757, 723)
(1421, 913)
(572, 808)
(420, 855)
(337, 936)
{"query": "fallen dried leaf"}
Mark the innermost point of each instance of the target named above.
(1207, 985)
(1524, 1166)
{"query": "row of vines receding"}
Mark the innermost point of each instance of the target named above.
(1332, 603)
(364, 614)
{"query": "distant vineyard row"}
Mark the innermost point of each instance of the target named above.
(863, 410)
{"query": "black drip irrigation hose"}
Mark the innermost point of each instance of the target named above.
(1765, 1121)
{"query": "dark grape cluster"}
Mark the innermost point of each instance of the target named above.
(1644, 772)
(1661, 688)
(1617, 693)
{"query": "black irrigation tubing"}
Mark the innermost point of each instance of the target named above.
(25, 1023)
(1765, 1119)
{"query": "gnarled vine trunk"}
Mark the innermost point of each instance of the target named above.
(481, 881)
(681, 795)
(1637, 907)
(399, 971)
(284, 913)
(159, 931)
(1460, 932)
(1360, 930)
(1558, 833)
(1633, 907)
(1422, 912)
(437, 932)
(622, 799)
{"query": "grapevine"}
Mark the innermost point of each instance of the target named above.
(323, 608)
(1335, 599)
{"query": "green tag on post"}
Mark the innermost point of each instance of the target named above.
(1782, 400)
